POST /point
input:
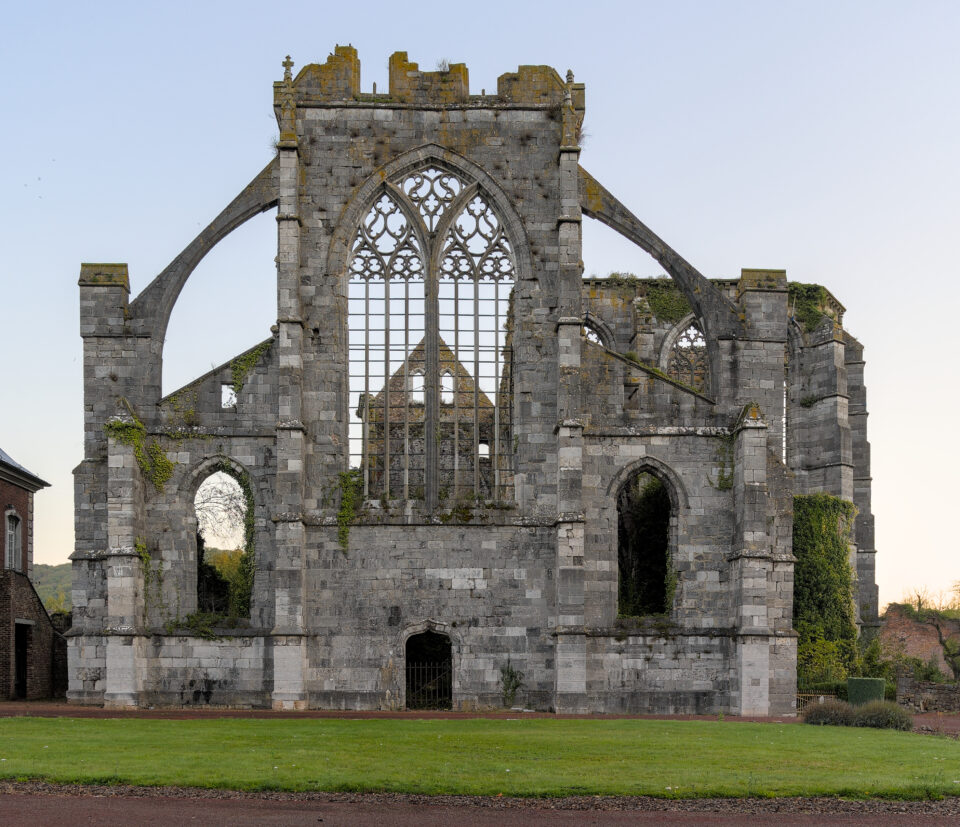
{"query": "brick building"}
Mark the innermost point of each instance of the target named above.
(457, 452)
(32, 653)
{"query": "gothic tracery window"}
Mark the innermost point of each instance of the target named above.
(430, 278)
(688, 361)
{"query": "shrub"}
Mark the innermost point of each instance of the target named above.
(876, 714)
(883, 715)
(829, 713)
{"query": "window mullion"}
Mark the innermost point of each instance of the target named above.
(476, 384)
(365, 460)
(407, 396)
(431, 378)
(387, 390)
(495, 453)
(456, 388)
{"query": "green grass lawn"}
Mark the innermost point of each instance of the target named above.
(540, 757)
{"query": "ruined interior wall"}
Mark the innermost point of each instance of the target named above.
(490, 586)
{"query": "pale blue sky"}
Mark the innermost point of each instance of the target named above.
(819, 137)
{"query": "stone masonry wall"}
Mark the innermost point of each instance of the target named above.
(531, 577)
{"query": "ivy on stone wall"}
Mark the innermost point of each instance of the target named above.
(823, 608)
(150, 456)
(246, 362)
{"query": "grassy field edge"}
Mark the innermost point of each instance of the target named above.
(531, 758)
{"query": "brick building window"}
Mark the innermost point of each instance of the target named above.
(431, 275)
(13, 545)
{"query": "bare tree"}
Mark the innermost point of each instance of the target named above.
(221, 509)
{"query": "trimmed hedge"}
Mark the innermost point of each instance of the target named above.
(875, 714)
(864, 690)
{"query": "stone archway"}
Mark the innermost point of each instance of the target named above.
(429, 671)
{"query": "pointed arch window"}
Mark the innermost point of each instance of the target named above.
(431, 276)
(688, 361)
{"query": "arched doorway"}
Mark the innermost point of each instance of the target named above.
(429, 671)
(646, 577)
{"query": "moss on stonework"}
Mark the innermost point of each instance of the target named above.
(621, 280)
(725, 463)
(351, 499)
(184, 407)
(667, 302)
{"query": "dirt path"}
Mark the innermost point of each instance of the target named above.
(42, 804)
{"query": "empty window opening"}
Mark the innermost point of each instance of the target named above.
(484, 450)
(606, 252)
(688, 362)
(415, 386)
(429, 671)
(228, 397)
(446, 388)
(646, 577)
(14, 545)
(224, 546)
(226, 306)
(430, 280)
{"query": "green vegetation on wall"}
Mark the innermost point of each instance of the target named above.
(351, 499)
(806, 304)
(666, 301)
(150, 456)
(241, 366)
(725, 463)
(823, 608)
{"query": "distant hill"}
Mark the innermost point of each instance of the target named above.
(51, 582)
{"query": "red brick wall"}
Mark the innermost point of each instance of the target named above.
(900, 633)
(20, 500)
(19, 600)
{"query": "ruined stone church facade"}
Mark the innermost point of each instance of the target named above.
(451, 436)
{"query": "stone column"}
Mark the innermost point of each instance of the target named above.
(288, 643)
(124, 575)
(571, 652)
(751, 562)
